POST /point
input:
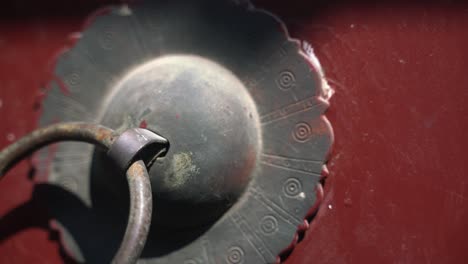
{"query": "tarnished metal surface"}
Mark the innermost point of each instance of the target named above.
(242, 106)
(137, 144)
(139, 220)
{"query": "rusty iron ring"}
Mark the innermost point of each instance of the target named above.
(141, 203)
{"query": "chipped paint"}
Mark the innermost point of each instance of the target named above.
(11, 137)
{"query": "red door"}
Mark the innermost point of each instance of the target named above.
(398, 188)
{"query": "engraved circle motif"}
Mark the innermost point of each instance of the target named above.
(292, 187)
(302, 132)
(106, 41)
(286, 80)
(235, 255)
(72, 79)
(269, 225)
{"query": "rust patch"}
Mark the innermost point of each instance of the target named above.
(136, 170)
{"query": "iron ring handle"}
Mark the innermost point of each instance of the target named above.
(137, 158)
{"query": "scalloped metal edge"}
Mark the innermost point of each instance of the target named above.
(304, 48)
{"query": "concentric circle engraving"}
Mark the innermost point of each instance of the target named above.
(235, 255)
(269, 225)
(107, 39)
(72, 79)
(292, 187)
(302, 132)
(286, 80)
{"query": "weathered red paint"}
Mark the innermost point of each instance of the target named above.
(397, 190)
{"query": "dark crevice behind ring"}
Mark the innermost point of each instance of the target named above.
(132, 151)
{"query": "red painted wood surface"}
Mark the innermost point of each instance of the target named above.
(398, 185)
